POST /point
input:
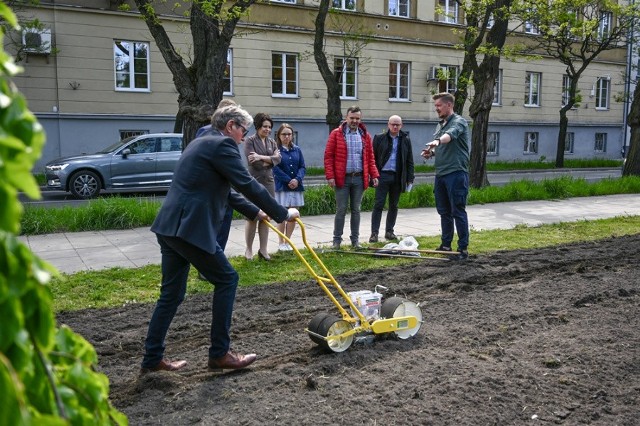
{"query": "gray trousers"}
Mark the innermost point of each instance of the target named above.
(349, 194)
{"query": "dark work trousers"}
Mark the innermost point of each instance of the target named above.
(177, 255)
(451, 192)
(388, 184)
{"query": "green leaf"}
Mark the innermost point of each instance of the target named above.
(13, 406)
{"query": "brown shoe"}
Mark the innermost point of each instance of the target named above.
(165, 365)
(231, 361)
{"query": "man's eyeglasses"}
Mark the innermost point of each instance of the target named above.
(244, 129)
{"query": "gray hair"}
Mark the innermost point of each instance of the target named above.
(236, 113)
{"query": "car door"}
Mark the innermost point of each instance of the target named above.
(138, 167)
(169, 152)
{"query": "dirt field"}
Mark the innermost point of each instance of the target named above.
(547, 336)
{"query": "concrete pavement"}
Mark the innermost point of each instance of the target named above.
(132, 248)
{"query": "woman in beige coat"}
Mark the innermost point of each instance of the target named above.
(262, 155)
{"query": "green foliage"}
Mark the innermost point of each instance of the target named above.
(47, 375)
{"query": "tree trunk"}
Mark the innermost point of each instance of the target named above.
(334, 105)
(562, 136)
(632, 162)
(201, 85)
(483, 81)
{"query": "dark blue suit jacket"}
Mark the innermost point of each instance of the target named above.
(201, 189)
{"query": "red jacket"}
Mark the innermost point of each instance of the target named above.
(335, 156)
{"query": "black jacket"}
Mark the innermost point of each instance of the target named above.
(382, 144)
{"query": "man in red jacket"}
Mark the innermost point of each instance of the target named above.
(348, 165)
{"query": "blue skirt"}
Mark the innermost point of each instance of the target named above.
(290, 198)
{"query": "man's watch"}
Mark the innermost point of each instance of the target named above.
(439, 141)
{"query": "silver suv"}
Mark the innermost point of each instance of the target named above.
(145, 161)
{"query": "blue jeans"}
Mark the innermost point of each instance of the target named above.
(451, 192)
(177, 255)
(387, 185)
(349, 194)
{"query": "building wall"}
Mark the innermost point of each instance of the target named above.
(92, 115)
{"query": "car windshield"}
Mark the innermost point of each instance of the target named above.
(115, 146)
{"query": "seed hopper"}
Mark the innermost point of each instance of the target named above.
(361, 313)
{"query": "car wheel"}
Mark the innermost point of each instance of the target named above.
(84, 184)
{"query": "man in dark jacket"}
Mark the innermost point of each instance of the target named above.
(394, 160)
(187, 227)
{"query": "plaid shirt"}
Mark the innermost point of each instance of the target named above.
(354, 151)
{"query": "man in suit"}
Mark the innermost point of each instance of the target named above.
(187, 226)
(394, 160)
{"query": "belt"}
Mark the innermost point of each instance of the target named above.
(352, 174)
(389, 171)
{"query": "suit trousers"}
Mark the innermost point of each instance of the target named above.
(177, 255)
(349, 195)
(388, 184)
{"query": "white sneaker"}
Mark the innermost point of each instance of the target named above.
(283, 247)
(289, 248)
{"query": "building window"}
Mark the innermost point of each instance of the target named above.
(448, 11)
(601, 142)
(604, 27)
(447, 76)
(566, 85)
(346, 74)
(399, 8)
(344, 4)
(131, 64)
(602, 93)
(399, 77)
(568, 142)
(497, 89)
(532, 89)
(284, 74)
(227, 80)
(124, 134)
(493, 139)
(530, 28)
(531, 142)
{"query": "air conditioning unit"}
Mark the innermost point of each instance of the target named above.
(436, 73)
(37, 41)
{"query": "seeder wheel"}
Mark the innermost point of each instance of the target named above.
(398, 307)
(328, 325)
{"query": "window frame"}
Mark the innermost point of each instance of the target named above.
(605, 25)
(600, 146)
(450, 11)
(569, 143)
(529, 89)
(343, 5)
(132, 69)
(344, 85)
(228, 70)
(407, 7)
(603, 92)
(566, 84)
(497, 90)
(396, 84)
(528, 143)
(493, 138)
(283, 70)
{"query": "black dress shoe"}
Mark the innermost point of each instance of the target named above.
(263, 257)
(231, 361)
(165, 365)
(390, 236)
